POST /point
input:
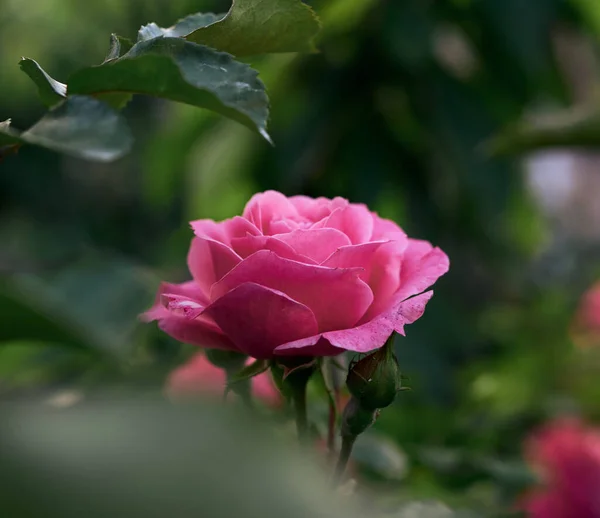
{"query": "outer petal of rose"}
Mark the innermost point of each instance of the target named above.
(194, 332)
(381, 261)
(337, 296)
(258, 319)
(248, 245)
(264, 207)
(208, 261)
(421, 267)
(189, 290)
(384, 228)
(371, 335)
(189, 328)
(354, 220)
(225, 230)
(318, 244)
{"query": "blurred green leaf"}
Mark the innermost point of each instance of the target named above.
(254, 27)
(80, 126)
(181, 28)
(175, 69)
(134, 457)
(51, 92)
(91, 305)
(380, 457)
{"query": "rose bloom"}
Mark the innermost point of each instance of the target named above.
(199, 377)
(567, 455)
(298, 276)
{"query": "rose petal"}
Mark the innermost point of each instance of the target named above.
(317, 244)
(248, 245)
(194, 332)
(315, 209)
(369, 336)
(354, 220)
(199, 330)
(337, 297)
(189, 290)
(266, 207)
(258, 319)
(224, 231)
(208, 261)
(385, 228)
(421, 267)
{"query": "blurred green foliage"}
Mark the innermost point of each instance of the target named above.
(394, 111)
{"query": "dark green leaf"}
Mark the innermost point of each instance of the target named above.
(182, 28)
(83, 127)
(80, 126)
(261, 26)
(181, 71)
(579, 128)
(51, 92)
(254, 369)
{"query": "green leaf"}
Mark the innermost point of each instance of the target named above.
(92, 305)
(80, 126)
(51, 92)
(118, 45)
(574, 128)
(175, 69)
(254, 369)
(182, 28)
(261, 26)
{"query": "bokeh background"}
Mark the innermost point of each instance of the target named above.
(394, 112)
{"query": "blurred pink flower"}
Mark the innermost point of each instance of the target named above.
(586, 329)
(199, 377)
(566, 453)
(299, 276)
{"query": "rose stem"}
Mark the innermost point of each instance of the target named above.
(299, 398)
(347, 445)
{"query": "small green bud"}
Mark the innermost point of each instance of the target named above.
(356, 419)
(375, 379)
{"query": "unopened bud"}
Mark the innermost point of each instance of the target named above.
(375, 379)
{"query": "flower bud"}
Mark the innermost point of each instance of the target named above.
(375, 379)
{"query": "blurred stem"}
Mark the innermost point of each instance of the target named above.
(299, 398)
(297, 382)
(331, 429)
(345, 452)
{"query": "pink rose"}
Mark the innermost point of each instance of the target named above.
(567, 455)
(199, 377)
(299, 276)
